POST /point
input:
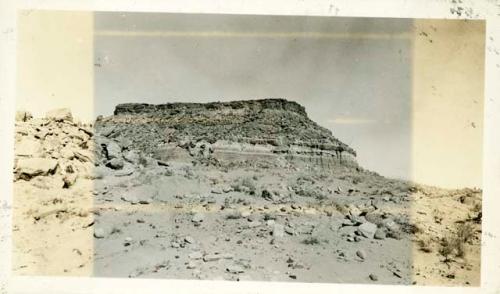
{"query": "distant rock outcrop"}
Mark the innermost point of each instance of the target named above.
(226, 130)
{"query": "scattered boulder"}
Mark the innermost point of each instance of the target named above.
(132, 156)
(357, 220)
(124, 172)
(394, 235)
(127, 241)
(69, 180)
(115, 163)
(367, 230)
(99, 233)
(67, 153)
(27, 168)
(162, 163)
(113, 150)
(28, 147)
(211, 257)
(195, 255)
(278, 230)
(106, 131)
(198, 217)
(268, 195)
(361, 254)
(380, 234)
(391, 225)
(189, 239)
(235, 269)
(217, 190)
(245, 214)
(143, 193)
(353, 210)
(289, 230)
(130, 198)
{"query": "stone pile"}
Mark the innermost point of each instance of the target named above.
(53, 145)
(57, 145)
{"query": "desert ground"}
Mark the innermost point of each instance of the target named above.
(87, 202)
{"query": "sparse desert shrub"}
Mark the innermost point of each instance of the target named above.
(143, 160)
(407, 227)
(454, 244)
(115, 230)
(233, 215)
(356, 180)
(386, 191)
(465, 231)
(450, 247)
(320, 196)
(214, 181)
(477, 212)
(122, 185)
(305, 180)
(248, 182)
(424, 245)
(341, 208)
(311, 241)
(477, 207)
(168, 172)
(308, 191)
(188, 171)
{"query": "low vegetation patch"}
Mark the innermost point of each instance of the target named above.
(311, 241)
(454, 244)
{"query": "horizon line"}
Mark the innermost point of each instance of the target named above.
(225, 34)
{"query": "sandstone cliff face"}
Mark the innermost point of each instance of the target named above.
(263, 128)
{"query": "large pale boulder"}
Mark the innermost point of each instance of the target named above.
(27, 147)
(115, 163)
(67, 153)
(31, 167)
(368, 230)
(113, 150)
(60, 114)
(132, 156)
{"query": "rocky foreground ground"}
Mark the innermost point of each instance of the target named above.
(86, 202)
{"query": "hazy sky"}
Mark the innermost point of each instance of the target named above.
(352, 75)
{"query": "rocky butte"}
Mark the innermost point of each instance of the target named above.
(226, 131)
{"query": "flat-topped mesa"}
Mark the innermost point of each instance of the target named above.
(234, 130)
(253, 105)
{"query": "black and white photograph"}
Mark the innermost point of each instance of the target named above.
(240, 147)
